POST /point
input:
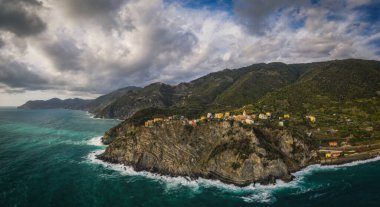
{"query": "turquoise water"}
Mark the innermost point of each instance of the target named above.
(47, 159)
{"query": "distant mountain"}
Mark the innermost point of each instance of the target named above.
(98, 104)
(53, 103)
(230, 89)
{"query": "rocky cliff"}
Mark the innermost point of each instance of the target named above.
(224, 150)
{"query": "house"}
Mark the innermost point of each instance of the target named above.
(227, 114)
(219, 115)
(333, 144)
(203, 118)
(262, 116)
(155, 120)
(209, 115)
(336, 154)
(148, 123)
(328, 155)
(286, 116)
(312, 119)
(281, 124)
(268, 114)
(239, 118)
(249, 121)
(244, 113)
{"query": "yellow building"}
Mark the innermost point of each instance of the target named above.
(281, 124)
(328, 155)
(157, 120)
(286, 116)
(244, 113)
(219, 115)
(227, 114)
(203, 118)
(148, 123)
(312, 119)
(268, 114)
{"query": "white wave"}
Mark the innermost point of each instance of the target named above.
(96, 141)
(174, 182)
(317, 167)
(252, 193)
(261, 197)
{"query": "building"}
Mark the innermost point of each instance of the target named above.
(333, 144)
(203, 118)
(249, 121)
(286, 116)
(268, 114)
(239, 118)
(148, 123)
(281, 124)
(219, 115)
(336, 154)
(209, 115)
(262, 116)
(312, 119)
(328, 155)
(155, 120)
(227, 114)
(244, 113)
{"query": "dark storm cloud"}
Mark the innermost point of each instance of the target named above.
(65, 55)
(100, 11)
(255, 14)
(2, 43)
(18, 17)
(17, 75)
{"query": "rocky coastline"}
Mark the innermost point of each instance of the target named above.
(223, 150)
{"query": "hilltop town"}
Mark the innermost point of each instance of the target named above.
(331, 150)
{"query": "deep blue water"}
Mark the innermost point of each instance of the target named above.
(46, 159)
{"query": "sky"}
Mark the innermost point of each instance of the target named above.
(85, 48)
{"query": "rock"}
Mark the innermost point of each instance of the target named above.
(227, 151)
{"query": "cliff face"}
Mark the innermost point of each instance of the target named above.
(226, 151)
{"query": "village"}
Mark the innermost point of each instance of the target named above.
(332, 152)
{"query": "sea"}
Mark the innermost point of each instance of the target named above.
(48, 158)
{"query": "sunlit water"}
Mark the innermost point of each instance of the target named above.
(47, 158)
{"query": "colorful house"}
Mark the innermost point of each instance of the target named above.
(148, 123)
(155, 120)
(227, 114)
(209, 115)
(312, 119)
(286, 116)
(281, 124)
(249, 121)
(268, 114)
(333, 144)
(336, 154)
(203, 118)
(328, 155)
(244, 113)
(262, 116)
(219, 115)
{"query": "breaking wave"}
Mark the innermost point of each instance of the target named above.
(251, 194)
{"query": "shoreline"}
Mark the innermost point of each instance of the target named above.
(352, 160)
(189, 181)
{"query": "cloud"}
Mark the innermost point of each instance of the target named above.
(95, 46)
(20, 18)
(19, 76)
(257, 15)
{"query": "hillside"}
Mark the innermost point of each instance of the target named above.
(275, 119)
(230, 89)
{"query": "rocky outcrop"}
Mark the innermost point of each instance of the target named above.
(225, 150)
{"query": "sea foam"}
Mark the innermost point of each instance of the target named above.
(251, 194)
